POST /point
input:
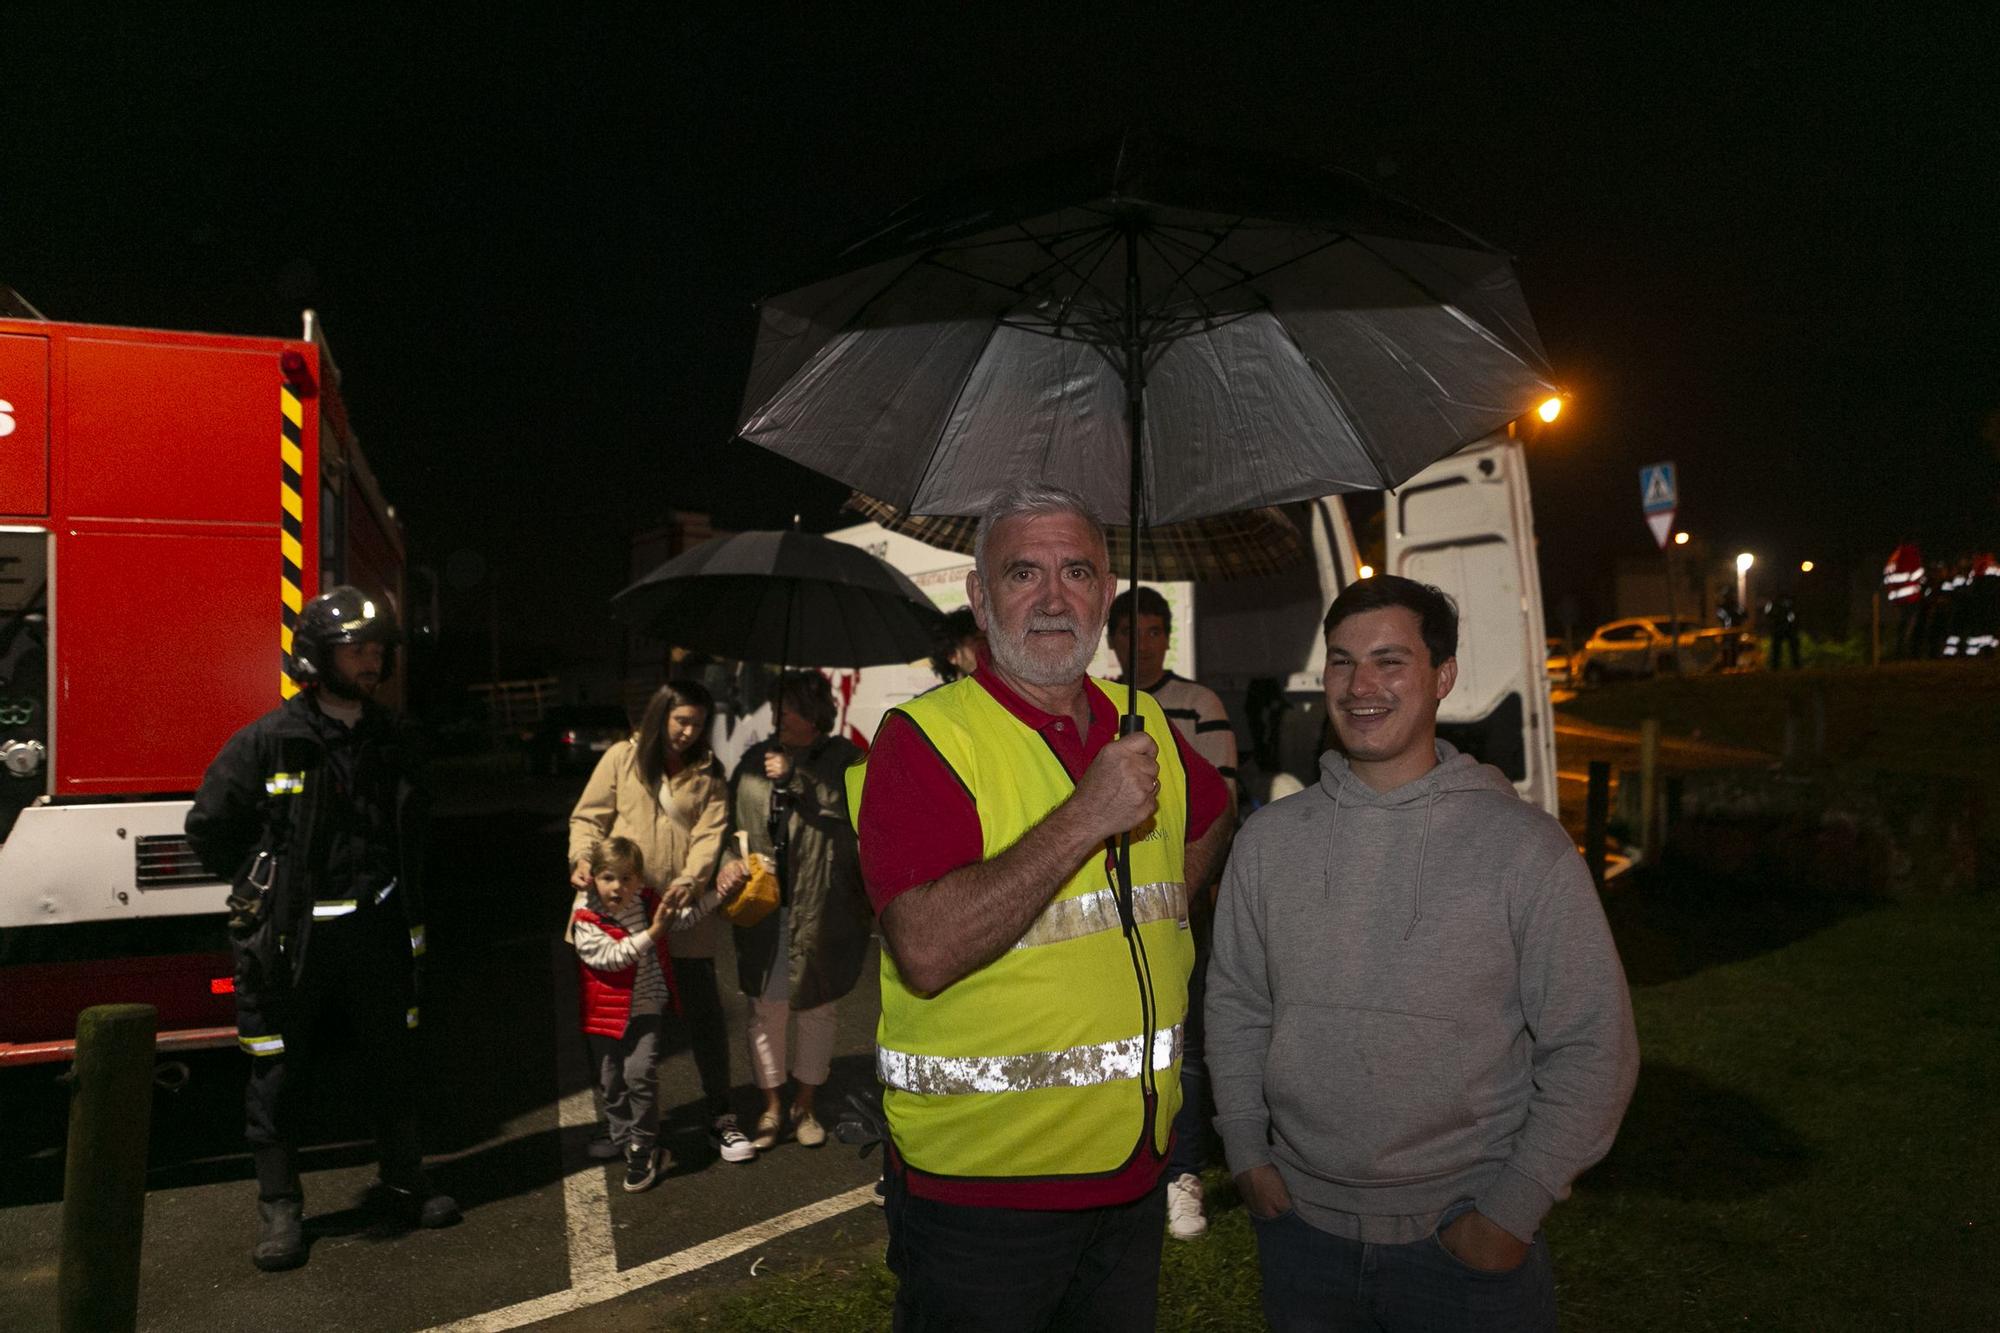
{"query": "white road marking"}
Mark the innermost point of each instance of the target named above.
(615, 1284)
(593, 1256)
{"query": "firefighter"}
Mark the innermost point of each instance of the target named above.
(313, 815)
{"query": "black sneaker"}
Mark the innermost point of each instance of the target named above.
(731, 1143)
(642, 1168)
(601, 1148)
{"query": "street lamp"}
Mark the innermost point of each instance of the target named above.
(1550, 409)
(1368, 571)
(1805, 566)
(1680, 539)
(1743, 562)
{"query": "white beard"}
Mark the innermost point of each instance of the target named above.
(1012, 655)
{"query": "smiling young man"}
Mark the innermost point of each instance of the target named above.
(1418, 1029)
(1029, 1042)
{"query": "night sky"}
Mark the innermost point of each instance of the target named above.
(1759, 244)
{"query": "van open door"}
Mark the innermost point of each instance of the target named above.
(1466, 525)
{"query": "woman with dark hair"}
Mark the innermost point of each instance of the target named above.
(798, 961)
(664, 789)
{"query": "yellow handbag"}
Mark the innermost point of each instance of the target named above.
(756, 899)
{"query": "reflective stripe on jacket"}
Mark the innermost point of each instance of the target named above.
(1030, 1067)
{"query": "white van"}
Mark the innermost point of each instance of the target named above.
(1464, 524)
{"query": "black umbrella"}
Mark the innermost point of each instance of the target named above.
(1167, 330)
(783, 597)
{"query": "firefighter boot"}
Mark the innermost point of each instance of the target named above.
(404, 1191)
(280, 1211)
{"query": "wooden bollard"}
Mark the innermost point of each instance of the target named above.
(1596, 816)
(104, 1176)
(1649, 790)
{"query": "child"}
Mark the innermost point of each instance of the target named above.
(620, 934)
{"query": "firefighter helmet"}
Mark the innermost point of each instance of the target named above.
(341, 615)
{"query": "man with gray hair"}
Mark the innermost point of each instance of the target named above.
(1031, 1015)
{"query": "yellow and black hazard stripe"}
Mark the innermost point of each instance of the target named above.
(291, 539)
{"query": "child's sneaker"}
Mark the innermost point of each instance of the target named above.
(730, 1140)
(642, 1168)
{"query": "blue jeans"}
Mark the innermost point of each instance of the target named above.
(1315, 1282)
(1013, 1270)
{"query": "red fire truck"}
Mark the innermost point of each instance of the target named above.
(168, 502)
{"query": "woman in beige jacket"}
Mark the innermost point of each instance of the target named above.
(665, 791)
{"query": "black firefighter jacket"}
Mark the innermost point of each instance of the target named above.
(294, 794)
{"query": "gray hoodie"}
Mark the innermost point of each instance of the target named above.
(1414, 999)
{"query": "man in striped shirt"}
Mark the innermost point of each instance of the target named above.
(1198, 715)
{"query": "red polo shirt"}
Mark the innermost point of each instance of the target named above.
(918, 824)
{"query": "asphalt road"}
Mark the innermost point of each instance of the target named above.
(508, 1112)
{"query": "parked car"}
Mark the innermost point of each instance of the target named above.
(1643, 645)
(571, 738)
(1555, 660)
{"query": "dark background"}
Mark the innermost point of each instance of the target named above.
(1759, 244)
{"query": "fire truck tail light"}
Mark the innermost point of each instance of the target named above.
(296, 372)
(222, 986)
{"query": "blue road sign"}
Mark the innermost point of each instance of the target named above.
(1657, 488)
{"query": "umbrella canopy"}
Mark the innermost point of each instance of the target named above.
(783, 597)
(1269, 331)
(1203, 550)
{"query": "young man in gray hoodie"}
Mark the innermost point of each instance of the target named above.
(1418, 1029)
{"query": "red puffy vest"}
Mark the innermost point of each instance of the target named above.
(607, 996)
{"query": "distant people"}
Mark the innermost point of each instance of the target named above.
(1029, 1041)
(1729, 615)
(957, 643)
(1419, 1031)
(627, 979)
(1198, 715)
(1781, 622)
(663, 789)
(314, 814)
(797, 963)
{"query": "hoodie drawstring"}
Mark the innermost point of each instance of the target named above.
(1423, 845)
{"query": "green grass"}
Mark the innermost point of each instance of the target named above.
(1914, 717)
(1810, 1146)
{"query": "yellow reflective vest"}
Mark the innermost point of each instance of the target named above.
(1031, 1067)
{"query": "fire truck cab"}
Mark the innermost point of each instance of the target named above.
(168, 502)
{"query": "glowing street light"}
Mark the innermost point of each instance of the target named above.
(1368, 571)
(1805, 566)
(1550, 409)
(1743, 562)
(1680, 539)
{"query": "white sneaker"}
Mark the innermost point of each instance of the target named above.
(769, 1126)
(1185, 1219)
(730, 1141)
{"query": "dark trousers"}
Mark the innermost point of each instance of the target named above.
(708, 1030)
(1192, 1122)
(1011, 1270)
(358, 976)
(1315, 1282)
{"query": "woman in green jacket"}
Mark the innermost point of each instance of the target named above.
(799, 960)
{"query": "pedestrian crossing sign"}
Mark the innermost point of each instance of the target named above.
(1658, 488)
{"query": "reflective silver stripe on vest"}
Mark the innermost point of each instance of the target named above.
(272, 1045)
(1077, 1067)
(1089, 913)
(416, 941)
(410, 1019)
(332, 907)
